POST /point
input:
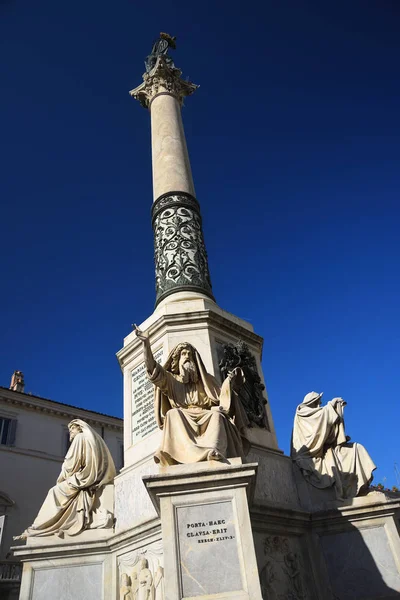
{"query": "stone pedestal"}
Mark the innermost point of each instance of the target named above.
(183, 317)
(206, 543)
(206, 529)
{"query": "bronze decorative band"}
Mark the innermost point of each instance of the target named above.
(172, 199)
(179, 251)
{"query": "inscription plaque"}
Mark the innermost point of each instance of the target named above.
(208, 552)
(143, 419)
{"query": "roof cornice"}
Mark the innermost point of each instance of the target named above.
(58, 409)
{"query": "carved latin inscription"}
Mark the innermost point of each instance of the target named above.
(208, 536)
(143, 419)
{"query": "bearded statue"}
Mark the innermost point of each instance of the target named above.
(200, 419)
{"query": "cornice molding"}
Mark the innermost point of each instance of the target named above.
(54, 408)
(31, 453)
(133, 538)
(202, 318)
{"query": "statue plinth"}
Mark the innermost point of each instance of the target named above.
(206, 529)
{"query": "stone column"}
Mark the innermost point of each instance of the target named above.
(180, 254)
(171, 165)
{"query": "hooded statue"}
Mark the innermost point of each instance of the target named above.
(200, 419)
(87, 467)
(322, 451)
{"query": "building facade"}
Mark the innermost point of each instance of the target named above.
(34, 439)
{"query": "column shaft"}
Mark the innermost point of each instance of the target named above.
(179, 250)
(171, 166)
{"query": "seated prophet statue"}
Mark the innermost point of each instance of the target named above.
(324, 453)
(68, 507)
(200, 419)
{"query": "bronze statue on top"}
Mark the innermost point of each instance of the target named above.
(160, 48)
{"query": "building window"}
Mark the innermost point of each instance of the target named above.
(7, 431)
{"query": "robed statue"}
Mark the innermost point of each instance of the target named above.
(87, 467)
(160, 48)
(200, 419)
(125, 590)
(323, 451)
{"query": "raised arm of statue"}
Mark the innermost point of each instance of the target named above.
(148, 354)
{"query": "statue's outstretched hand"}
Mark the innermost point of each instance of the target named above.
(139, 333)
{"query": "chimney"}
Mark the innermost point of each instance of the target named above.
(17, 381)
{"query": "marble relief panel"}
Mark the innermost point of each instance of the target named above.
(281, 568)
(141, 574)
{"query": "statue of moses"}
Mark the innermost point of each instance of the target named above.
(200, 419)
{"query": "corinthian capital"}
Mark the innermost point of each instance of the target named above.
(163, 78)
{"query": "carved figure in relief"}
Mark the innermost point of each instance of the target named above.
(251, 393)
(68, 507)
(145, 581)
(146, 575)
(324, 453)
(134, 584)
(159, 583)
(125, 591)
(200, 419)
(280, 578)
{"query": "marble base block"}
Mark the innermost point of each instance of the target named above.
(206, 529)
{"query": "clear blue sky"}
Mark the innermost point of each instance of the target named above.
(294, 142)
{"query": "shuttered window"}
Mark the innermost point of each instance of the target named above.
(7, 431)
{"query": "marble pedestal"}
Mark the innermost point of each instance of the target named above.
(181, 318)
(206, 530)
(296, 546)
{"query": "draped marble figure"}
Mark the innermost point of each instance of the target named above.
(323, 452)
(200, 419)
(125, 590)
(87, 467)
